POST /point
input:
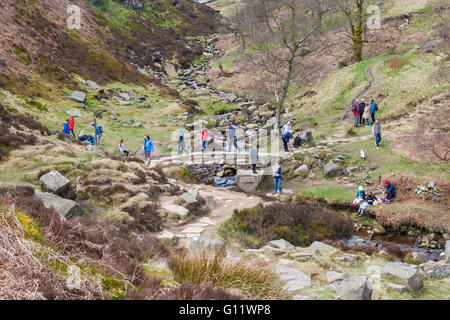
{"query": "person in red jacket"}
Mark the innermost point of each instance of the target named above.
(204, 138)
(72, 126)
(355, 111)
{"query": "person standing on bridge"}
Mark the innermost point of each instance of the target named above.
(361, 108)
(254, 158)
(204, 138)
(376, 130)
(181, 142)
(231, 137)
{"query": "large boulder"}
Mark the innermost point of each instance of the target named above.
(228, 97)
(307, 137)
(92, 85)
(332, 170)
(200, 244)
(66, 208)
(58, 184)
(354, 288)
(405, 273)
(302, 169)
(170, 69)
(189, 197)
(295, 280)
(78, 96)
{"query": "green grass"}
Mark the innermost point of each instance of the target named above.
(330, 191)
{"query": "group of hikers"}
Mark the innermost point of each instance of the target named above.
(369, 199)
(365, 113)
(69, 129)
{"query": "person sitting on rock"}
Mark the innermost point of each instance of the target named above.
(122, 149)
(297, 141)
(371, 200)
(390, 192)
(360, 196)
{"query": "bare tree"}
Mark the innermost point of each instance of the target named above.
(281, 33)
(354, 12)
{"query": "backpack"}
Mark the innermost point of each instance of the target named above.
(375, 108)
(181, 138)
(100, 129)
(354, 108)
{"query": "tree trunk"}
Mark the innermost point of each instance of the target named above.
(285, 89)
(357, 33)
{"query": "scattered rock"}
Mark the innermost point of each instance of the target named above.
(199, 244)
(302, 169)
(302, 256)
(179, 211)
(354, 288)
(320, 246)
(397, 287)
(404, 273)
(188, 198)
(170, 70)
(58, 184)
(65, 207)
(78, 96)
(435, 269)
(92, 85)
(93, 149)
(296, 280)
(281, 244)
(333, 276)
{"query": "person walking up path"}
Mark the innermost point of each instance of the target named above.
(373, 110)
(72, 126)
(205, 134)
(355, 111)
(232, 141)
(181, 142)
(122, 149)
(361, 108)
(148, 148)
(277, 178)
(376, 130)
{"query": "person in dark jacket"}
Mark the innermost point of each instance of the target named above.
(390, 192)
(297, 141)
(66, 128)
(361, 108)
(277, 178)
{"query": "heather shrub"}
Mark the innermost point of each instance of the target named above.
(254, 280)
(300, 223)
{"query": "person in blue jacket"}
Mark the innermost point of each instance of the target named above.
(99, 132)
(390, 191)
(181, 142)
(277, 178)
(66, 129)
(148, 148)
(373, 109)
